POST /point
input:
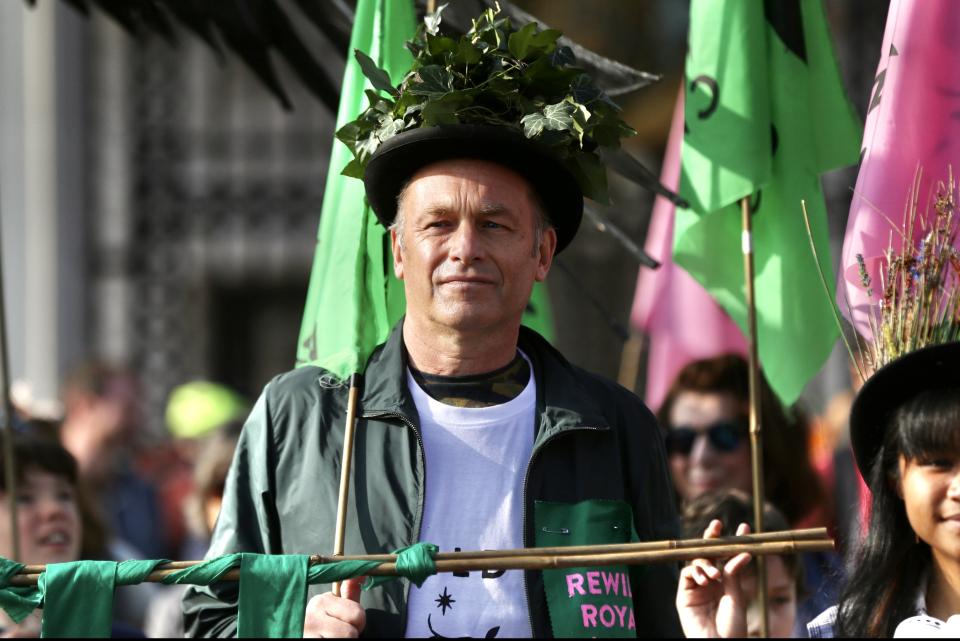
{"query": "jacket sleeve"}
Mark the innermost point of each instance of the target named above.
(655, 519)
(247, 523)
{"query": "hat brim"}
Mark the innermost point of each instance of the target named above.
(933, 367)
(400, 157)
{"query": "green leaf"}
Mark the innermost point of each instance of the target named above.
(379, 78)
(583, 89)
(432, 20)
(354, 169)
(439, 113)
(389, 127)
(591, 175)
(466, 54)
(349, 133)
(557, 117)
(438, 45)
(546, 40)
(367, 147)
(434, 81)
(519, 41)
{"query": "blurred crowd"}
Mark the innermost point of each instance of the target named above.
(90, 486)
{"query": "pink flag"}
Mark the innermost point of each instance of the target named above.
(913, 120)
(683, 321)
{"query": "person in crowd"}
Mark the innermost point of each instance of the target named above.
(472, 428)
(705, 414)
(706, 417)
(195, 411)
(705, 516)
(99, 427)
(52, 523)
(201, 509)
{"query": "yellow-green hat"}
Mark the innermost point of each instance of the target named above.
(198, 408)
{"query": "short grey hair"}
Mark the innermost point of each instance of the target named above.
(543, 221)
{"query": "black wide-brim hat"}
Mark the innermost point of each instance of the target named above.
(400, 157)
(933, 367)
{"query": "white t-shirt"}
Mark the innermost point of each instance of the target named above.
(476, 459)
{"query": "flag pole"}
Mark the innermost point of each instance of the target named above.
(756, 441)
(8, 459)
(347, 457)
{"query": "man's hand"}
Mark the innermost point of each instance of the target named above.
(709, 600)
(336, 616)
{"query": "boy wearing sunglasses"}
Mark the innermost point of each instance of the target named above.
(705, 418)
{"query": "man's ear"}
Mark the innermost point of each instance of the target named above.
(397, 252)
(548, 246)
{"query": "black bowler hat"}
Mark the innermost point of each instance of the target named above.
(933, 367)
(400, 157)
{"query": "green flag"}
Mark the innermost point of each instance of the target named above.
(765, 115)
(354, 299)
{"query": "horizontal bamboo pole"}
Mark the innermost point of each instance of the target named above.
(782, 535)
(538, 559)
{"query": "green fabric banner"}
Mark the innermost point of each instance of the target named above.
(273, 596)
(353, 298)
(595, 602)
(765, 115)
(78, 599)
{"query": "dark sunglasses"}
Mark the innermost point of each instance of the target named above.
(725, 436)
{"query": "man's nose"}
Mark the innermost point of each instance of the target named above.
(465, 243)
(701, 450)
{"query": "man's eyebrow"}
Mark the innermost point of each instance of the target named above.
(436, 210)
(486, 209)
(491, 209)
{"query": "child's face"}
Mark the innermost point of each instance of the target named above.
(931, 493)
(47, 519)
(781, 599)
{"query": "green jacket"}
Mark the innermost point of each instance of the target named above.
(594, 440)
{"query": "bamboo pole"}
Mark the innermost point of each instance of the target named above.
(630, 361)
(540, 559)
(10, 477)
(756, 442)
(812, 534)
(347, 457)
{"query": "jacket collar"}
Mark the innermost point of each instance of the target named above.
(562, 402)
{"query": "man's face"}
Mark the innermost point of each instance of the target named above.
(467, 250)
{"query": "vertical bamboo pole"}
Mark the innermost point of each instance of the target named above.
(756, 441)
(347, 458)
(8, 462)
(630, 361)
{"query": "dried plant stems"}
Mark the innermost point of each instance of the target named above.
(826, 289)
(785, 542)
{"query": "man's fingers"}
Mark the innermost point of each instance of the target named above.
(743, 529)
(350, 589)
(345, 610)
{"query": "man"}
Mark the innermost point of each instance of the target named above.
(472, 432)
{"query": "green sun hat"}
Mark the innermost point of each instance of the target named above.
(198, 408)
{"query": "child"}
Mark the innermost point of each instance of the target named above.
(706, 612)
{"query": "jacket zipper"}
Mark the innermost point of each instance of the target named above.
(420, 503)
(526, 478)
